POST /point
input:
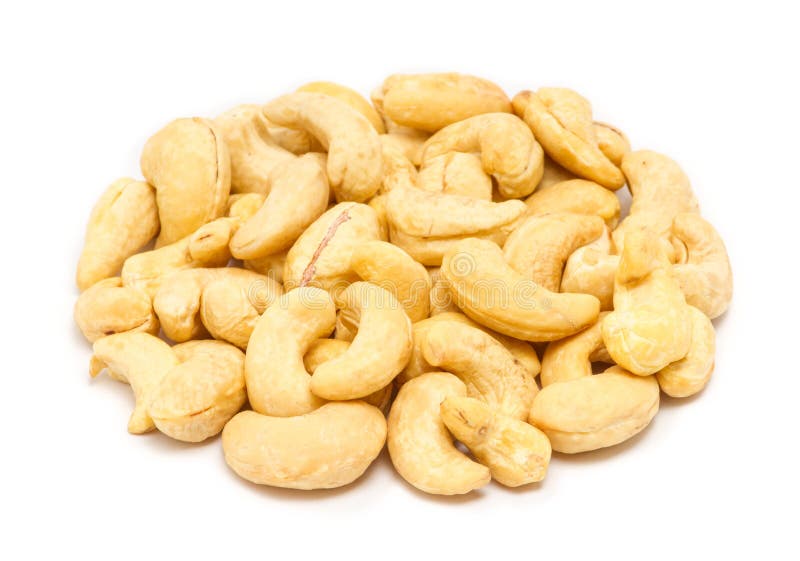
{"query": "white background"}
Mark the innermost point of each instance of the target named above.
(85, 85)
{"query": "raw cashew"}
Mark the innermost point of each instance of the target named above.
(277, 382)
(591, 270)
(188, 163)
(515, 452)
(456, 173)
(323, 449)
(348, 96)
(553, 174)
(244, 205)
(561, 120)
(690, 375)
(492, 293)
(540, 246)
(271, 265)
(595, 411)
(611, 141)
(378, 204)
(508, 150)
(397, 168)
(197, 397)
(705, 278)
(378, 353)
(407, 141)
(123, 221)
(354, 149)
(433, 101)
(440, 296)
(572, 357)
(650, 326)
(420, 446)
(391, 268)
(107, 307)
(139, 359)
(578, 196)
(489, 370)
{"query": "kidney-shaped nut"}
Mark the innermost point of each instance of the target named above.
(244, 205)
(420, 446)
(706, 278)
(561, 120)
(690, 375)
(197, 397)
(540, 246)
(139, 359)
(350, 97)
(379, 351)
(578, 196)
(515, 452)
(188, 163)
(108, 307)
(595, 411)
(433, 101)
(572, 357)
(123, 221)
(611, 141)
(354, 149)
(492, 293)
(323, 449)
(456, 173)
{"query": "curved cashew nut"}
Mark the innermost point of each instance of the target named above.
(354, 149)
(107, 308)
(515, 452)
(561, 120)
(123, 220)
(611, 141)
(706, 278)
(595, 411)
(509, 152)
(139, 359)
(244, 205)
(378, 204)
(420, 446)
(379, 351)
(492, 293)
(578, 196)
(277, 382)
(690, 375)
(572, 357)
(188, 163)
(456, 173)
(348, 96)
(591, 270)
(323, 449)
(540, 246)
(196, 398)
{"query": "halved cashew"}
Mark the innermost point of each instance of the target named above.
(407, 141)
(433, 101)
(107, 307)
(492, 293)
(197, 397)
(391, 268)
(591, 270)
(456, 173)
(123, 220)
(508, 150)
(650, 326)
(350, 97)
(441, 299)
(572, 357)
(420, 446)
(253, 152)
(323, 449)
(188, 163)
(611, 141)
(354, 149)
(515, 452)
(540, 246)
(705, 278)
(271, 265)
(139, 359)
(321, 255)
(553, 174)
(244, 205)
(489, 370)
(299, 195)
(595, 411)
(379, 351)
(207, 247)
(397, 168)
(277, 382)
(578, 196)
(561, 120)
(690, 375)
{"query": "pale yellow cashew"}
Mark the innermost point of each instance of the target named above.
(515, 452)
(407, 141)
(379, 351)
(572, 357)
(456, 173)
(538, 249)
(705, 277)
(508, 150)
(330, 447)
(139, 359)
(271, 265)
(354, 150)
(611, 141)
(591, 270)
(492, 293)
(441, 299)
(244, 205)
(420, 446)
(397, 168)
(378, 204)
(578, 196)
(553, 174)
(196, 398)
(123, 220)
(594, 412)
(107, 308)
(188, 163)
(350, 97)
(690, 375)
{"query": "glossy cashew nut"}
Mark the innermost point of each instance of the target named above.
(108, 307)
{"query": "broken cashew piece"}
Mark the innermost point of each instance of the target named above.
(577, 196)
(572, 357)
(107, 308)
(456, 173)
(690, 375)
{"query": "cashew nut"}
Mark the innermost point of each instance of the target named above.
(406, 141)
(611, 141)
(271, 266)
(553, 174)
(577, 196)
(572, 357)
(690, 375)
(348, 96)
(107, 307)
(456, 173)
(591, 270)
(244, 205)
(440, 296)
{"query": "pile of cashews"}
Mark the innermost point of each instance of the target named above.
(319, 276)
